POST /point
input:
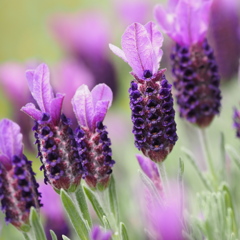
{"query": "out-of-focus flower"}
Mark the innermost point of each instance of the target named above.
(151, 99)
(53, 212)
(97, 233)
(14, 85)
(90, 109)
(236, 121)
(85, 36)
(224, 35)
(67, 77)
(55, 139)
(18, 186)
(151, 170)
(163, 220)
(133, 10)
(193, 63)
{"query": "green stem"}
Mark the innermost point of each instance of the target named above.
(26, 237)
(163, 175)
(204, 143)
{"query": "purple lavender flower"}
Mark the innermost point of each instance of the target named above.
(98, 234)
(18, 186)
(151, 99)
(53, 212)
(236, 121)
(85, 36)
(193, 63)
(150, 169)
(224, 35)
(55, 139)
(90, 109)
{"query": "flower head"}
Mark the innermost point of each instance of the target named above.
(150, 94)
(141, 49)
(55, 138)
(90, 109)
(18, 187)
(236, 121)
(185, 21)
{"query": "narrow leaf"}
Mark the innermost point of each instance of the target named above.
(106, 223)
(65, 238)
(222, 155)
(123, 232)
(36, 225)
(81, 200)
(96, 205)
(53, 235)
(75, 218)
(113, 199)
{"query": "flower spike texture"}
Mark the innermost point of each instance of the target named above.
(94, 149)
(150, 94)
(57, 148)
(18, 186)
(193, 63)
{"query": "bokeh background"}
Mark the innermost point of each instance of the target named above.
(51, 31)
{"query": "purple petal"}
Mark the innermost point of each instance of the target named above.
(100, 112)
(83, 106)
(138, 49)
(102, 92)
(30, 76)
(40, 87)
(56, 108)
(98, 234)
(31, 110)
(119, 52)
(10, 138)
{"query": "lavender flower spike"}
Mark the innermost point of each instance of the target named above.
(90, 109)
(54, 137)
(151, 100)
(193, 63)
(18, 186)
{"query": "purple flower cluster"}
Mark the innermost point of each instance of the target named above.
(151, 100)
(236, 121)
(61, 151)
(193, 63)
(18, 186)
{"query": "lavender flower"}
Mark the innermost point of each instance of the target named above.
(193, 63)
(18, 186)
(98, 234)
(57, 147)
(53, 212)
(90, 109)
(236, 121)
(151, 100)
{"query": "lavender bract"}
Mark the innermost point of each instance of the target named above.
(236, 121)
(193, 63)
(151, 100)
(94, 149)
(57, 147)
(18, 186)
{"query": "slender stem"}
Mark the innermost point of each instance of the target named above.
(26, 237)
(163, 175)
(204, 143)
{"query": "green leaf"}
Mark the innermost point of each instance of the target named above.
(53, 235)
(234, 155)
(96, 205)
(37, 225)
(123, 232)
(81, 200)
(106, 223)
(76, 220)
(222, 155)
(65, 238)
(113, 199)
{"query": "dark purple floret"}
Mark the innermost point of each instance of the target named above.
(197, 83)
(18, 191)
(154, 127)
(236, 121)
(58, 152)
(96, 155)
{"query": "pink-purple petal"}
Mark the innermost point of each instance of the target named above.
(41, 88)
(138, 49)
(30, 76)
(5, 161)
(10, 138)
(83, 106)
(119, 52)
(100, 112)
(102, 92)
(31, 110)
(56, 108)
